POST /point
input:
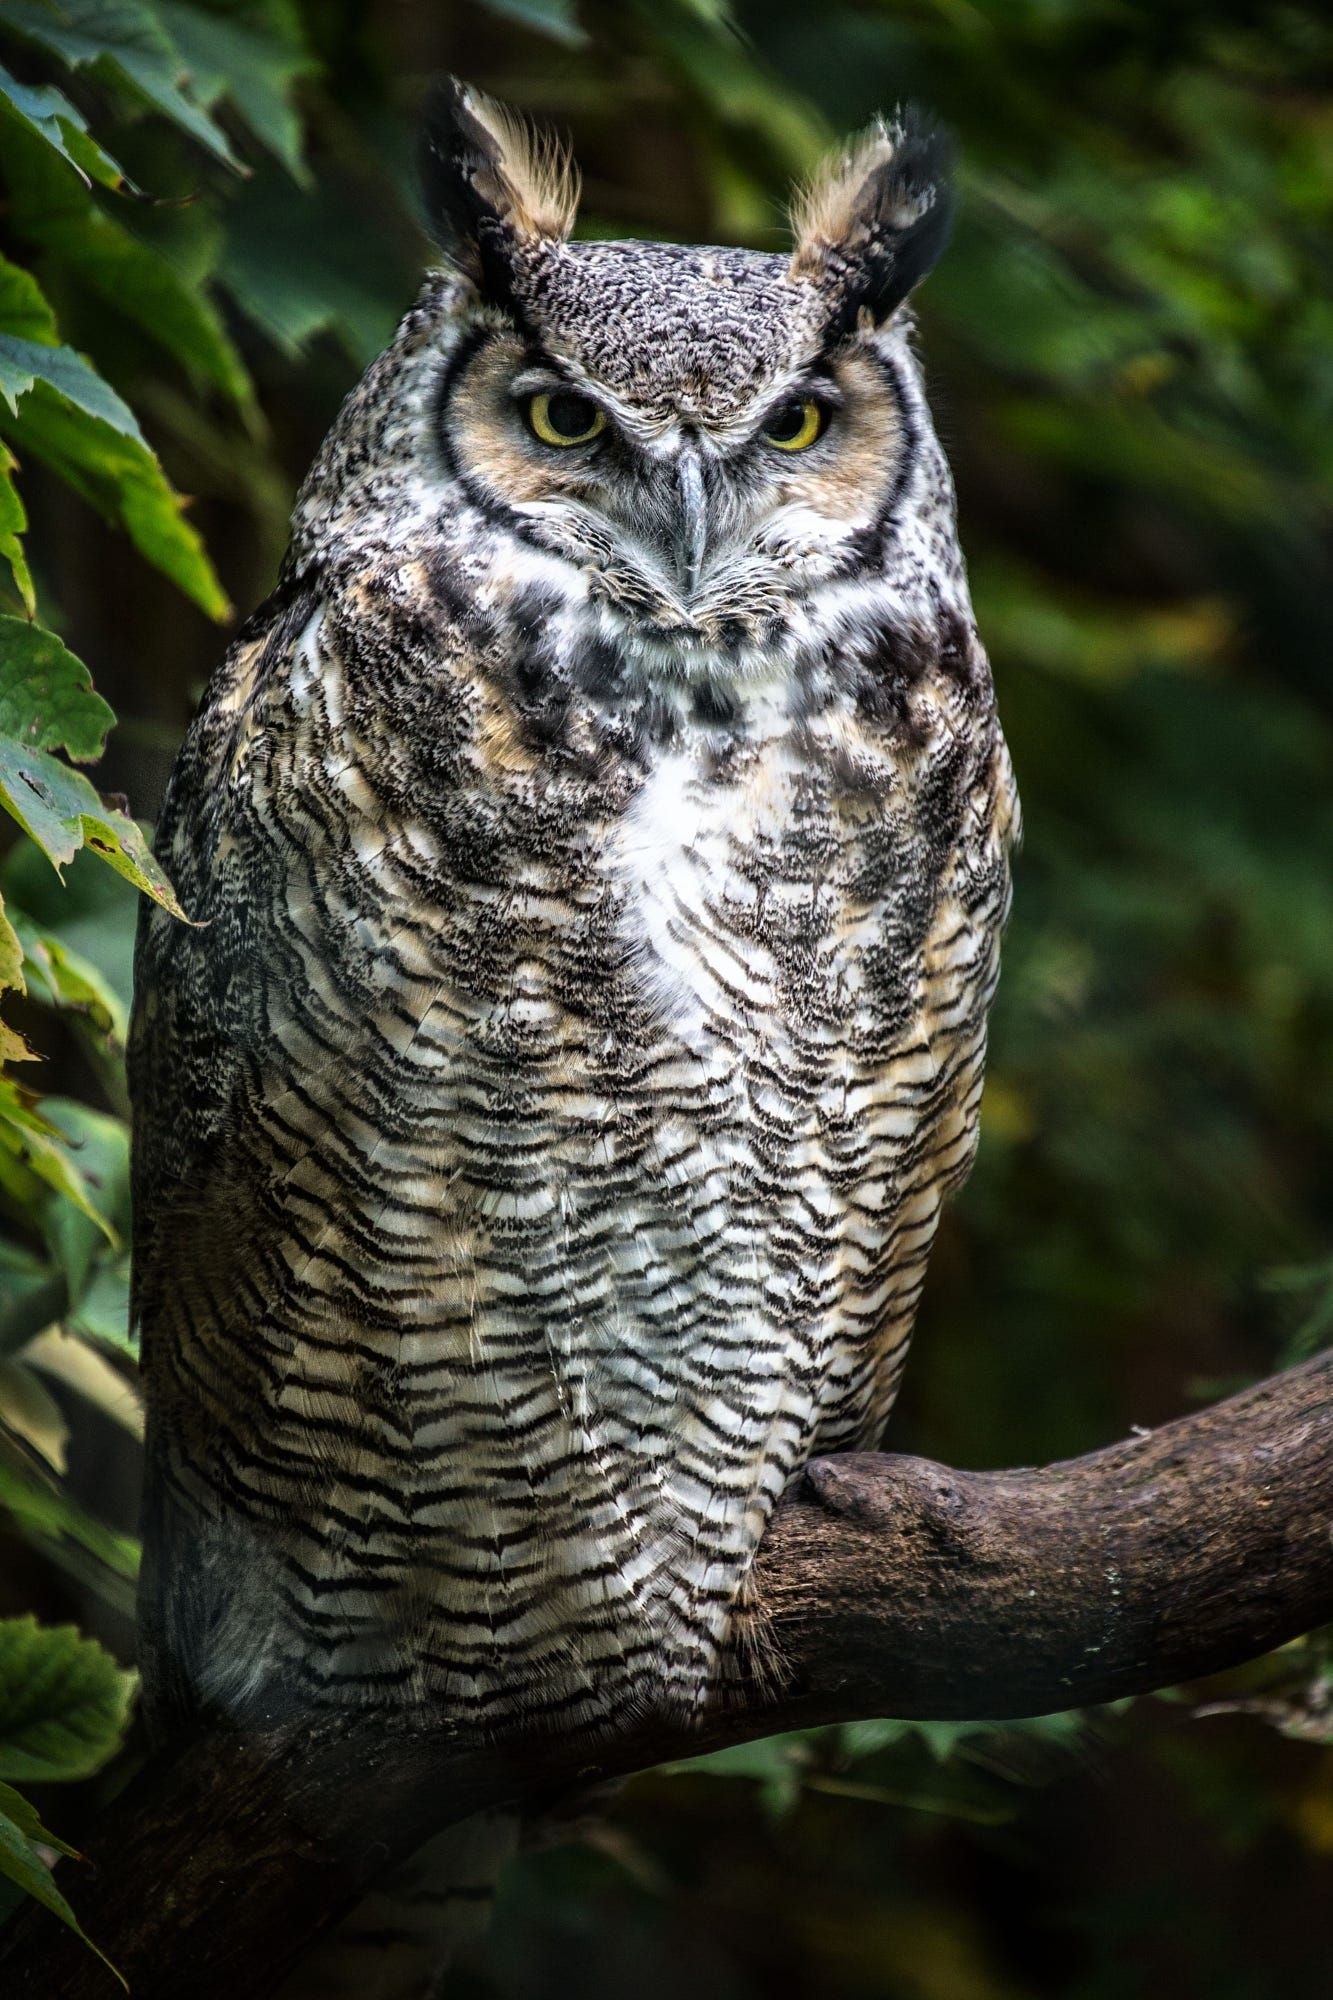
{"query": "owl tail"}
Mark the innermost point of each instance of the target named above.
(399, 1943)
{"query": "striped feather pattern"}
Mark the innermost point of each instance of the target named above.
(541, 1138)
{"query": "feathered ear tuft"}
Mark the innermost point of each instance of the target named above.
(492, 183)
(874, 221)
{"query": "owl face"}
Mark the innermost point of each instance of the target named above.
(685, 444)
(701, 433)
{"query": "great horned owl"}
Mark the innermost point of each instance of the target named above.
(598, 851)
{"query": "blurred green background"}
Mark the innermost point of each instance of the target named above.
(1130, 353)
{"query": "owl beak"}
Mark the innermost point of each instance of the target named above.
(691, 518)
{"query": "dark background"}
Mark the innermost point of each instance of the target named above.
(1130, 354)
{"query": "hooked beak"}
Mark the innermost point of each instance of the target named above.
(691, 518)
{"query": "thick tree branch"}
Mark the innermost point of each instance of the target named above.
(886, 1586)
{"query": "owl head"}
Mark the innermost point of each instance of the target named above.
(694, 440)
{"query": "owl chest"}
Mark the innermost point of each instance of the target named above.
(696, 992)
(610, 1075)
(618, 1143)
(756, 923)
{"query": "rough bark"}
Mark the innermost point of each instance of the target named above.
(885, 1586)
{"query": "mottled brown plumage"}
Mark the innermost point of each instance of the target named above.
(599, 853)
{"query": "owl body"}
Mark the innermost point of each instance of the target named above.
(599, 881)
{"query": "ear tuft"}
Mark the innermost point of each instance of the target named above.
(492, 183)
(874, 220)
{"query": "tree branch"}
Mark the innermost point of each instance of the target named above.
(885, 1586)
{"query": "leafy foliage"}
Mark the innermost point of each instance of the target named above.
(73, 257)
(207, 225)
(63, 1705)
(63, 1702)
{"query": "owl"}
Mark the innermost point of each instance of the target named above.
(597, 851)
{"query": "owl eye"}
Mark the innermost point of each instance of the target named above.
(796, 425)
(560, 417)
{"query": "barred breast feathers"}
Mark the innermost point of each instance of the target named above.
(585, 1024)
(599, 858)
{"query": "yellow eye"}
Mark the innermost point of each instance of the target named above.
(562, 417)
(796, 425)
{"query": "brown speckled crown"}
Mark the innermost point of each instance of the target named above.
(664, 325)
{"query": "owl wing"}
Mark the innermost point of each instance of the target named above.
(193, 1033)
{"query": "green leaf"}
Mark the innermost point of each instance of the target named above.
(13, 1048)
(11, 956)
(13, 524)
(121, 477)
(103, 1313)
(28, 1821)
(48, 114)
(100, 1145)
(26, 362)
(863, 1739)
(25, 312)
(350, 280)
(97, 255)
(124, 39)
(777, 1763)
(22, 1863)
(143, 286)
(253, 57)
(34, 1155)
(59, 809)
(47, 699)
(69, 1536)
(64, 1703)
(24, 309)
(58, 976)
(90, 909)
(33, 1295)
(550, 17)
